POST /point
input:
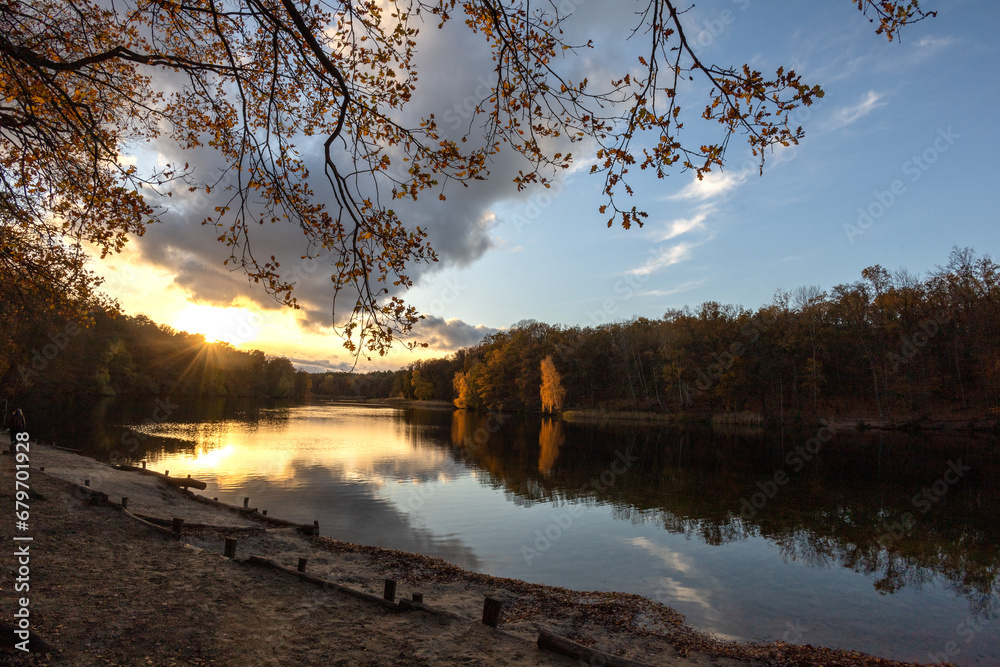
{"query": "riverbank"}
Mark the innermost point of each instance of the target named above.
(977, 424)
(109, 589)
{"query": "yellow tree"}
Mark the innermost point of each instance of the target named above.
(552, 390)
(81, 82)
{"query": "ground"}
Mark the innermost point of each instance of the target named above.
(108, 589)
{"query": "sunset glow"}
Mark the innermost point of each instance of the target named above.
(229, 325)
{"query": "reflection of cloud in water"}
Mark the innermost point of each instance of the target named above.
(331, 467)
(351, 510)
(673, 592)
(670, 558)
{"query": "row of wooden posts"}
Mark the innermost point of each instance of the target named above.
(492, 607)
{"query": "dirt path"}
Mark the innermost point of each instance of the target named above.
(106, 589)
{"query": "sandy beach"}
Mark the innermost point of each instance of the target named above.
(107, 588)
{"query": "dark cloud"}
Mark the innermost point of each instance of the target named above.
(456, 72)
(448, 335)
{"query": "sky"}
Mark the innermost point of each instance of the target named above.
(897, 166)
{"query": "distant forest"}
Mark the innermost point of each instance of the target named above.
(111, 354)
(889, 345)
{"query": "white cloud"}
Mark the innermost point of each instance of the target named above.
(712, 185)
(683, 287)
(685, 225)
(851, 114)
(662, 258)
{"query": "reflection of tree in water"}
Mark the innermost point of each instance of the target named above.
(852, 507)
(550, 437)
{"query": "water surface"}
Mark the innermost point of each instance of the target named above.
(885, 543)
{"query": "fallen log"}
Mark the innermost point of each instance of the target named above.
(382, 602)
(549, 641)
(248, 530)
(182, 482)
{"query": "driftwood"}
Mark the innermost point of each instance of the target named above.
(404, 604)
(182, 482)
(391, 606)
(252, 513)
(249, 530)
(549, 641)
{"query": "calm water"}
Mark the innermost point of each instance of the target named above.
(836, 548)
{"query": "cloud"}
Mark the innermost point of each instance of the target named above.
(321, 365)
(712, 185)
(446, 335)
(848, 115)
(683, 287)
(661, 258)
(685, 225)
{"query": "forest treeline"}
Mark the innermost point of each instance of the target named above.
(104, 353)
(888, 345)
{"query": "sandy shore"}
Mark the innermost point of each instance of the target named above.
(105, 588)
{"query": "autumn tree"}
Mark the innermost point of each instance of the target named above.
(552, 390)
(253, 80)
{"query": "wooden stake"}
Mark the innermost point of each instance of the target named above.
(143, 465)
(390, 590)
(86, 482)
(230, 551)
(178, 526)
(166, 473)
(124, 503)
(302, 564)
(491, 611)
(316, 527)
(246, 502)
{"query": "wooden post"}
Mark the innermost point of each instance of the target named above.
(246, 502)
(390, 590)
(418, 597)
(143, 465)
(230, 547)
(491, 611)
(166, 473)
(316, 527)
(124, 503)
(86, 482)
(178, 526)
(264, 512)
(302, 564)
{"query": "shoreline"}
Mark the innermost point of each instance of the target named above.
(625, 625)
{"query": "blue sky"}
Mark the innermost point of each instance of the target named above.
(907, 132)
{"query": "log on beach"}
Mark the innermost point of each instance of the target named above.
(549, 641)
(182, 482)
(361, 595)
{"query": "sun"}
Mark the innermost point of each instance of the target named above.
(230, 325)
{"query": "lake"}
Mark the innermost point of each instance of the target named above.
(887, 543)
